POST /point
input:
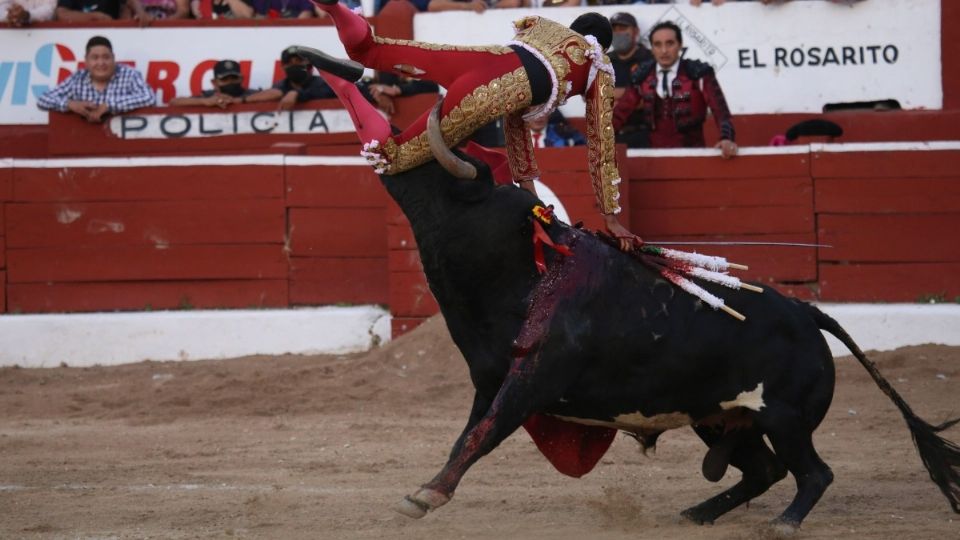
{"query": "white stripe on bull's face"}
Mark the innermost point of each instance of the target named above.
(749, 400)
(637, 422)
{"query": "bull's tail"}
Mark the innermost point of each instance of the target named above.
(940, 456)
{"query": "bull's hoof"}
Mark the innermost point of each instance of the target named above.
(695, 516)
(780, 528)
(417, 505)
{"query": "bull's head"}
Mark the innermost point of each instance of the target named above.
(453, 164)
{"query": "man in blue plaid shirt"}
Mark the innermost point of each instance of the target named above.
(103, 88)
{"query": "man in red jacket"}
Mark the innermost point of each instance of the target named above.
(672, 96)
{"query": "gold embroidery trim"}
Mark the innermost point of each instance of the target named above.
(493, 49)
(556, 43)
(501, 96)
(601, 146)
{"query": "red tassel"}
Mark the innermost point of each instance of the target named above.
(541, 238)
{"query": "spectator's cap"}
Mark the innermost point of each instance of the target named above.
(623, 19)
(288, 53)
(816, 127)
(226, 68)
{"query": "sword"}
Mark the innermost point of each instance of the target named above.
(734, 243)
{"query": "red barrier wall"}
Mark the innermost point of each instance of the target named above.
(100, 235)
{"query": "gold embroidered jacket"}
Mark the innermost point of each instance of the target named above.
(576, 65)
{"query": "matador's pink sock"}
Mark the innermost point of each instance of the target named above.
(352, 28)
(370, 124)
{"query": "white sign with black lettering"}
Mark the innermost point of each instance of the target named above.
(175, 126)
(792, 57)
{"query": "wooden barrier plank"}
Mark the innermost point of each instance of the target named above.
(887, 195)
(893, 164)
(334, 187)
(405, 260)
(6, 183)
(727, 192)
(329, 280)
(160, 183)
(3, 291)
(161, 223)
(146, 296)
(141, 263)
(568, 159)
(564, 183)
(762, 166)
(723, 221)
(410, 295)
(3, 252)
(338, 232)
(890, 237)
(895, 282)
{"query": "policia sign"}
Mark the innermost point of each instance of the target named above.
(176, 126)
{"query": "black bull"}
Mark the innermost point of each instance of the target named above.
(603, 340)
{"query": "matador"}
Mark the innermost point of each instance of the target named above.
(525, 79)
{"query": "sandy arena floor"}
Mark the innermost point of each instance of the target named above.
(323, 447)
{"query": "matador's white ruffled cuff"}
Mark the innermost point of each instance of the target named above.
(373, 153)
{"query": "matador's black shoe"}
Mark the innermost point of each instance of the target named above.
(343, 68)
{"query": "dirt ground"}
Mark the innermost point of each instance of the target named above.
(324, 446)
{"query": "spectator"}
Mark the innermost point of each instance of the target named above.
(99, 10)
(283, 9)
(627, 53)
(554, 132)
(299, 85)
(103, 88)
(227, 88)
(390, 86)
(221, 9)
(167, 9)
(672, 97)
(20, 13)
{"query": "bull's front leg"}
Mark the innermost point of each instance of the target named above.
(527, 388)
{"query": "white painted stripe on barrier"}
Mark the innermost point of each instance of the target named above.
(887, 326)
(118, 338)
(158, 161)
(87, 339)
(909, 146)
(906, 146)
(306, 161)
(715, 152)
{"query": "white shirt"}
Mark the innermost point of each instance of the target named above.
(671, 74)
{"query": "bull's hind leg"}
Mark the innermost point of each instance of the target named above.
(761, 469)
(791, 436)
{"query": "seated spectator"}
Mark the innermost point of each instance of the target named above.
(227, 88)
(670, 97)
(221, 9)
(627, 53)
(283, 9)
(390, 86)
(99, 10)
(299, 85)
(167, 9)
(20, 13)
(103, 88)
(553, 131)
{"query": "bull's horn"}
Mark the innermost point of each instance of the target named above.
(446, 158)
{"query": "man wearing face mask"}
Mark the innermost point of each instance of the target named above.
(299, 85)
(227, 88)
(626, 54)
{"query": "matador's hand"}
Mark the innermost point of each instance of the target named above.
(626, 238)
